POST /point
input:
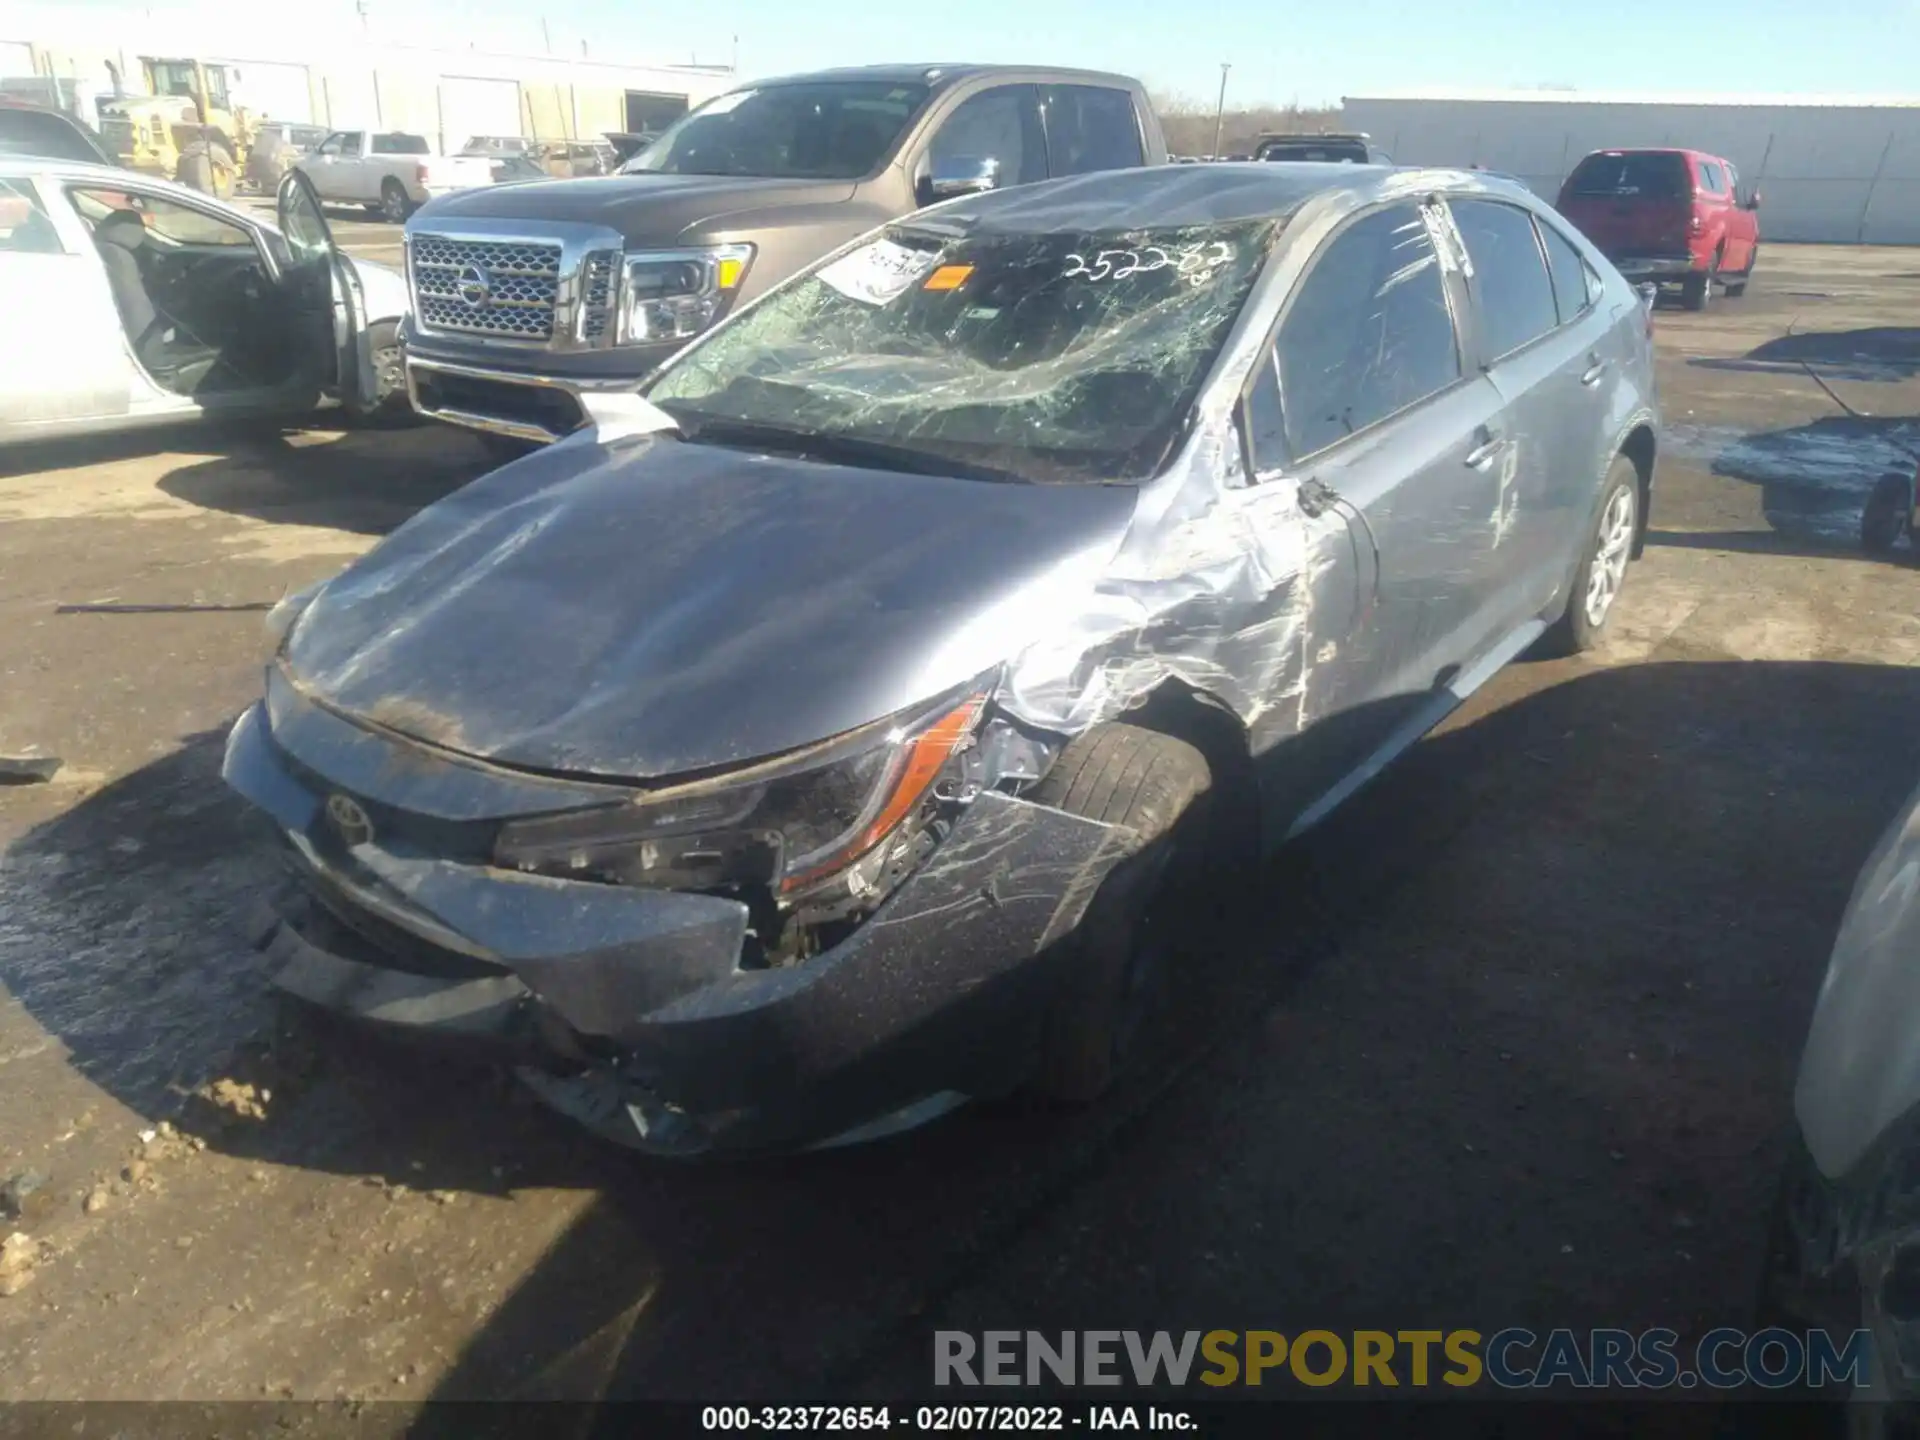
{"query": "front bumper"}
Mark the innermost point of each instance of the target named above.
(939, 994)
(485, 391)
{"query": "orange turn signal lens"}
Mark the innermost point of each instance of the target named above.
(921, 761)
(728, 273)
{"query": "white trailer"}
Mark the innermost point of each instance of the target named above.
(1835, 170)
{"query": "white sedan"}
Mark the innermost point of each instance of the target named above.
(132, 301)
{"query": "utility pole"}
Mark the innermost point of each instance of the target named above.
(1220, 110)
(735, 65)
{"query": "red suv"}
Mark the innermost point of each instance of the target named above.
(1669, 216)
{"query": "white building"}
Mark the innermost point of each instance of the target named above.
(1830, 168)
(314, 66)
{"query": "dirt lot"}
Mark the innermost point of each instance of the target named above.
(1508, 1042)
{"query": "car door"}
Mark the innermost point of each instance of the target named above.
(1554, 381)
(322, 166)
(1743, 226)
(327, 306)
(52, 289)
(354, 169)
(1381, 419)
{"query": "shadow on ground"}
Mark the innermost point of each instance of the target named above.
(363, 481)
(1875, 353)
(1544, 878)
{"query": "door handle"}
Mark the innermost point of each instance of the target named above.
(1594, 371)
(1482, 454)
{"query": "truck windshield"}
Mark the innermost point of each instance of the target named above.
(1058, 357)
(832, 130)
(1655, 175)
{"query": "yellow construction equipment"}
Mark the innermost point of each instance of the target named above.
(185, 129)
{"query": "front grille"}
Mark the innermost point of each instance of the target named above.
(521, 279)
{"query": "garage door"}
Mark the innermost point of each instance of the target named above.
(470, 107)
(274, 91)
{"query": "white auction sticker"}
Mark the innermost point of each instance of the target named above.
(878, 272)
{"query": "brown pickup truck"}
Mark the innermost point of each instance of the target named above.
(529, 300)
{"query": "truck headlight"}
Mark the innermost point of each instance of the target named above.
(675, 294)
(794, 826)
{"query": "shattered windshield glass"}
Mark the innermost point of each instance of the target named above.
(838, 130)
(1054, 357)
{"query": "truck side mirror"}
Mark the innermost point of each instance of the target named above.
(1753, 200)
(962, 175)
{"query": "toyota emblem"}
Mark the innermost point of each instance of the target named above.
(475, 285)
(349, 820)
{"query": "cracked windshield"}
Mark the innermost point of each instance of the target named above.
(700, 713)
(1057, 356)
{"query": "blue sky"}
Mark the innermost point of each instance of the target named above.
(1280, 49)
(1310, 50)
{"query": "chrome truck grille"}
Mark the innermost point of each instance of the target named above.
(503, 289)
(556, 294)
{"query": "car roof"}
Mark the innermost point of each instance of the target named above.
(1208, 193)
(942, 74)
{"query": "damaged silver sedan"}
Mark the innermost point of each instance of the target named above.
(815, 745)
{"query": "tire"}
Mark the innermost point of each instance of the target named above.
(1610, 544)
(195, 170)
(224, 170)
(1737, 288)
(1887, 516)
(395, 205)
(1154, 785)
(390, 403)
(1697, 290)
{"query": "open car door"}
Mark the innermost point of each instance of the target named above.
(327, 290)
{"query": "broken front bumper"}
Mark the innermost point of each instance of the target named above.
(939, 994)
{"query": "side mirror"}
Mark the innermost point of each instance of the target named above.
(963, 175)
(1753, 201)
(1649, 295)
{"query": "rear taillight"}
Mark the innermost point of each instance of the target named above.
(420, 174)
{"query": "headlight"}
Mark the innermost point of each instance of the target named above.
(795, 826)
(675, 294)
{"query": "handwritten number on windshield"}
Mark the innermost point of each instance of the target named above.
(1195, 264)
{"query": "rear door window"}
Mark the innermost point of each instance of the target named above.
(1569, 272)
(1089, 128)
(1368, 334)
(25, 227)
(394, 144)
(1510, 284)
(1634, 174)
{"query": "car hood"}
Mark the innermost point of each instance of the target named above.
(649, 607)
(647, 208)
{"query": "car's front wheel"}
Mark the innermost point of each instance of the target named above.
(1602, 571)
(1117, 959)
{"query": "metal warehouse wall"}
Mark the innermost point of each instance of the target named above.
(1832, 173)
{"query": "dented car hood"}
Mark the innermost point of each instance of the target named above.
(649, 607)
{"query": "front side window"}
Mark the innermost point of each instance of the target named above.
(168, 225)
(1002, 125)
(826, 130)
(1368, 334)
(1510, 284)
(350, 146)
(1055, 357)
(1089, 128)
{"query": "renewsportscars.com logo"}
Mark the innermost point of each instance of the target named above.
(1511, 1359)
